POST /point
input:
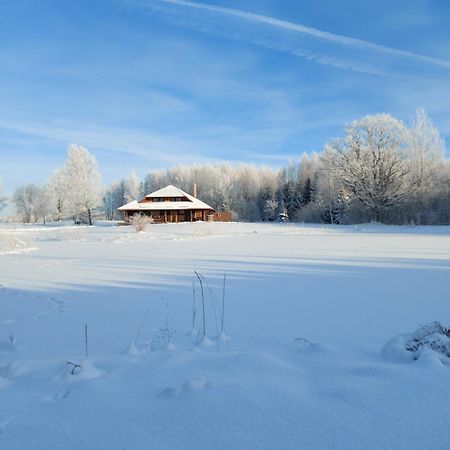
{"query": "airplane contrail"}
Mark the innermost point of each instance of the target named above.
(358, 54)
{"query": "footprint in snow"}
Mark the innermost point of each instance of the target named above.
(199, 384)
(58, 396)
(58, 306)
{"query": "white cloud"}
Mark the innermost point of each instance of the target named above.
(309, 43)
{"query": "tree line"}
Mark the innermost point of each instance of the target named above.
(380, 169)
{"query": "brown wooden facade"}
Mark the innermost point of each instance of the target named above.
(172, 216)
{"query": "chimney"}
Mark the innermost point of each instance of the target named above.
(194, 190)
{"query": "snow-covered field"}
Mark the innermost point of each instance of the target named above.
(308, 310)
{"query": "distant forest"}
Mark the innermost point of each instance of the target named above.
(380, 169)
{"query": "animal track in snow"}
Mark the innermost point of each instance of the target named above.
(198, 384)
(58, 396)
(57, 306)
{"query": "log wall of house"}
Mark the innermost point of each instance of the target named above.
(172, 216)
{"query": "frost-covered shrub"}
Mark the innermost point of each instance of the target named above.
(140, 222)
(430, 337)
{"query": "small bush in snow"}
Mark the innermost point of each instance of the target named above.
(140, 222)
(432, 337)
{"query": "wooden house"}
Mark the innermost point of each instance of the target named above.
(169, 204)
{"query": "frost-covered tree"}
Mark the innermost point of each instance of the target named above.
(25, 199)
(305, 184)
(426, 151)
(58, 191)
(132, 187)
(114, 198)
(156, 180)
(288, 194)
(270, 210)
(369, 163)
(108, 205)
(83, 181)
(42, 207)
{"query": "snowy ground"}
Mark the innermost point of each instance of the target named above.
(347, 290)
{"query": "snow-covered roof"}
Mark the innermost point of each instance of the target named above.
(167, 192)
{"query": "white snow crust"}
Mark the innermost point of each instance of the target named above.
(305, 365)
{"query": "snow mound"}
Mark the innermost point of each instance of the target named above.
(132, 350)
(432, 337)
(81, 371)
(206, 342)
(305, 345)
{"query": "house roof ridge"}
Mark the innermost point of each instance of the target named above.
(168, 192)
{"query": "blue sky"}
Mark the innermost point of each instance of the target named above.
(149, 84)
